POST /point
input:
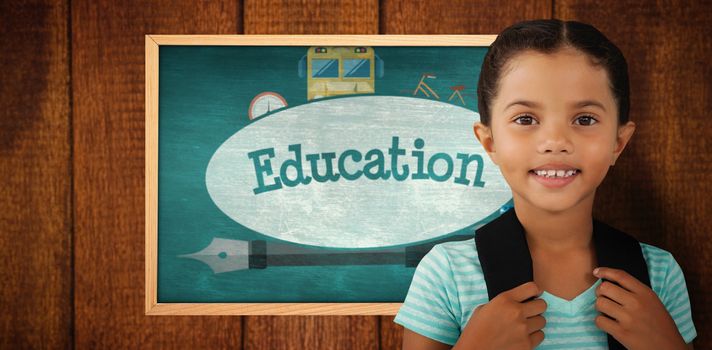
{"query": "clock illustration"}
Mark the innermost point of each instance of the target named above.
(266, 102)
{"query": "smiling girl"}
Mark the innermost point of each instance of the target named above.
(553, 103)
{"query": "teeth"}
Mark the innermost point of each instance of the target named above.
(556, 173)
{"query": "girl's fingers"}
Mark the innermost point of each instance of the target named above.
(615, 293)
(607, 325)
(611, 308)
(523, 291)
(626, 281)
(535, 323)
(534, 307)
(536, 338)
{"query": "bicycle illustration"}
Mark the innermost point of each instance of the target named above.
(422, 85)
(424, 88)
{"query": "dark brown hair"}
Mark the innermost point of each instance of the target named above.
(548, 36)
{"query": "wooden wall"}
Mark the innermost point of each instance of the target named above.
(72, 155)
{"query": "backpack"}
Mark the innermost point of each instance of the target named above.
(507, 263)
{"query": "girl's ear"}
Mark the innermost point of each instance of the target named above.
(484, 135)
(624, 134)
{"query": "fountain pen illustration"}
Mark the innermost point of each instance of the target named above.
(225, 255)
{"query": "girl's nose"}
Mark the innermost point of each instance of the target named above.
(555, 140)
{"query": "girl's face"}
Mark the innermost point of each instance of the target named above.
(554, 129)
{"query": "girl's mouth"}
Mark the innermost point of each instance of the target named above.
(554, 178)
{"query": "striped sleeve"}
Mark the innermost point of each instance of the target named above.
(427, 308)
(677, 301)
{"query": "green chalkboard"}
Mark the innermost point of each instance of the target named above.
(308, 170)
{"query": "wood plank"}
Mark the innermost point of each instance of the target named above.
(35, 167)
(311, 332)
(457, 17)
(659, 190)
(108, 99)
(307, 17)
(463, 17)
(311, 17)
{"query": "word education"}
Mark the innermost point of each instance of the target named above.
(374, 167)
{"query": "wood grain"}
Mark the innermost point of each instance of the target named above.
(311, 17)
(449, 17)
(36, 172)
(659, 190)
(108, 99)
(311, 332)
(72, 143)
(457, 17)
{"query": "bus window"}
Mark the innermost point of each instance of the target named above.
(357, 68)
(325, 68)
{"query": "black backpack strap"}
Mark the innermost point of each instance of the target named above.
(618, 250)
(504, 254)
(507, 263)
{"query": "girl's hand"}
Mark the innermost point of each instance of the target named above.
(638, 319)
(510, 321)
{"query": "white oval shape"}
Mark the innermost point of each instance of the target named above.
(360, 213)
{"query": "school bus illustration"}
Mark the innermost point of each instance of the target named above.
(333, 71)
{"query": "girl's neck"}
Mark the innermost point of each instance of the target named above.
(556, 232)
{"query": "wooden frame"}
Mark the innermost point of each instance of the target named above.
(152, 307)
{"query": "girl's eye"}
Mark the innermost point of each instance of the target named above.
(525, 120)
(586, 120)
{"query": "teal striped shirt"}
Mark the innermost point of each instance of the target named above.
(448, 285)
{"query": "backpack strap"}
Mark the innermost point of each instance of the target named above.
(619, 250)
(507, 263)
(504, 254)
